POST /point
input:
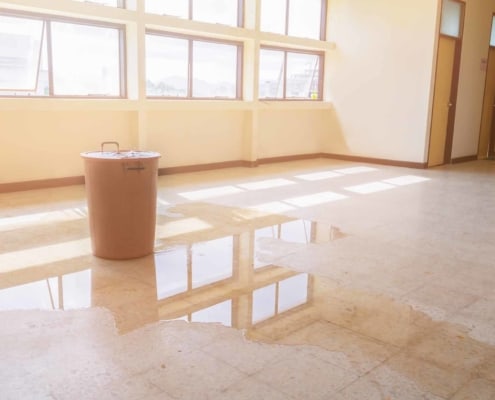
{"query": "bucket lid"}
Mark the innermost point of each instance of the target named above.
(120, 155)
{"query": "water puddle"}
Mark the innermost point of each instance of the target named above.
(219, 265)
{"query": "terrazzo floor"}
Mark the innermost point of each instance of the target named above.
(315, 279)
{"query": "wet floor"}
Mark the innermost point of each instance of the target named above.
(238, 302)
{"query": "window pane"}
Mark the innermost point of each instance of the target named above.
(214, 70)
(171, 272)
(292, 292)
(298, 231)
(166, 66)
(20, 52)
(212, 261)
(34, 295)
(219, 313)
(451, 18)
(273, 14)
(77, 290)
(302, 76)
(111, 3)
(177, 8)
(264, 303)
(492, 38)
(85, 60)
(271, 74)
(305, 18)
(216, 11)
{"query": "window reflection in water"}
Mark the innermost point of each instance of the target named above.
(66, 292)
(214, 280)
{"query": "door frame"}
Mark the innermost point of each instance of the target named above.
(456, 68)
(491, 135)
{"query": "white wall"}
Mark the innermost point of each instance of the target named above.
(380, 77)
(45, 144)
(379, 80)
(475, 44)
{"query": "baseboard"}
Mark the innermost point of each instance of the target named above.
(79, 180)
(206, 167)
(41, 184)
(458, 160)
(380, 161)
(296, 157)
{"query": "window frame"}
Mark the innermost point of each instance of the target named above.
(120, 3)
(190, 61)
(285, 50)
(323, 20)
(190, 12)
(47, 19)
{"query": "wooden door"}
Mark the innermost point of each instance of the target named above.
(442, 101)
(487, 132)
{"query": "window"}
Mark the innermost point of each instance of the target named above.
(111, 3)
(290, 74)
(274, 299)
(84, 59)
(184, 67)
(226, 12)
(451, 24)
(302, 18)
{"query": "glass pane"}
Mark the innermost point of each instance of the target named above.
(86, 60)
(302, 76)
(305, 18)
(214, 70)
(215, 11)
(492, 38)
(298, 231)
(111, 3)
(171, 272)
(264, 303)
(273, 16)
(219, 313)
(20, 52)
(77, 290)
(166, 66)
(451, 18)
(34, 295)
(260, 236)
(177, 8)
(271, 83)
(212, 261)
(292, 292)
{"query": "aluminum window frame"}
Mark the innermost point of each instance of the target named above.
(240, 14)
(120, 3)
(285, 51)
(190, 61)
(47, 19)
(323, 19)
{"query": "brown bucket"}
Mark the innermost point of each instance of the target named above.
(121, 195)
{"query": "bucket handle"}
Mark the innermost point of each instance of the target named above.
(115, 143)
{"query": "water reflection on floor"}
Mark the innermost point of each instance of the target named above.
(228, 279)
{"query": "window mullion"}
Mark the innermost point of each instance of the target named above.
(122, 64)
(239, 68)
(190, 71)
(40, 57)
(49, 56)
(240, 13)
(284, 81)
(323, 20)
(321, 68)
(287, 10)
(190, 9)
